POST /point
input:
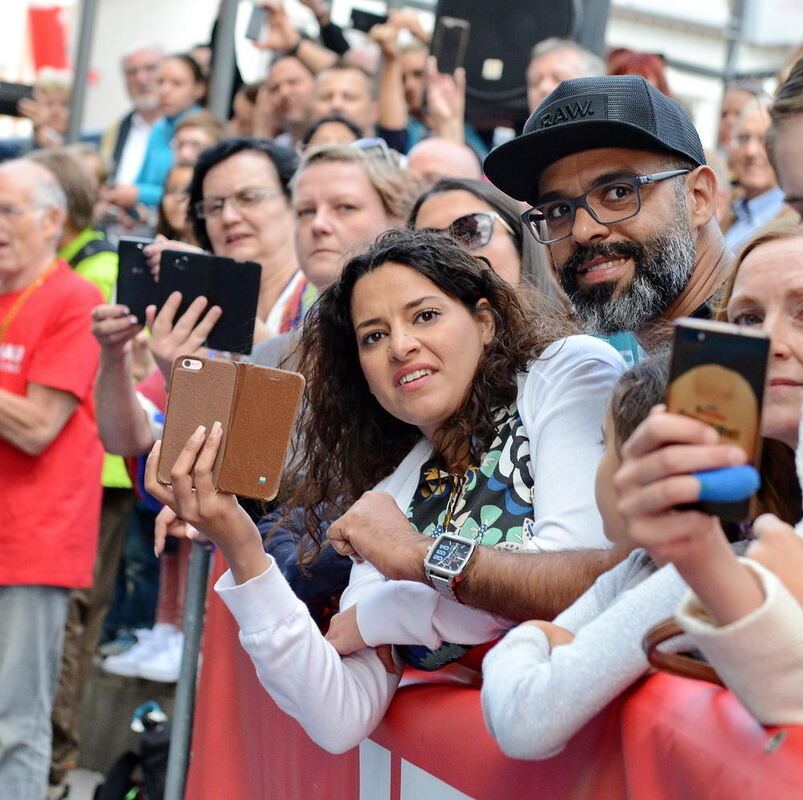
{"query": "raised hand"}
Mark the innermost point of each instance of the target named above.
(193, 498)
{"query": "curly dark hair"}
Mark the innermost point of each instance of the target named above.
(350, 442)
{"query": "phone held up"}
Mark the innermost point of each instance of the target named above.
(449, 43)
(257, 408)
(717, 375)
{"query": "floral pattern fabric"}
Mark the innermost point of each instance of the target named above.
(491, 503)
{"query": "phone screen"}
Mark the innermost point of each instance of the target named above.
(717, 375)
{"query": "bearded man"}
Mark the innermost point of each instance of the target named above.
(621, 194)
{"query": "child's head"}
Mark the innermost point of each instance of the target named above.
(637, 391)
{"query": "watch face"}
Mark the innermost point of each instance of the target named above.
(450, 554)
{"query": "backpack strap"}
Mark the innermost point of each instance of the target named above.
(92, 248)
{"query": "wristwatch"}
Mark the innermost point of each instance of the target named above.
(445, 562)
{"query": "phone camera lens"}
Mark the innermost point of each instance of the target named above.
(700, 337)
(186, 363)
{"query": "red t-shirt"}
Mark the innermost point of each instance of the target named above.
(50, 503)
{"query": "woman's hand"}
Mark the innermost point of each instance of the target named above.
(114, 327)
(185, 336)
(554, 633)
(780, 549)
(655, 477)
(192, 497)
(345, 637)
(153, 251)
(168, 523)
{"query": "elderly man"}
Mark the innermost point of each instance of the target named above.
(123, 144)
(623, 197)
(51, 459)
(554, 60)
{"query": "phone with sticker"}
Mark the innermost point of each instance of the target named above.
(717, 375)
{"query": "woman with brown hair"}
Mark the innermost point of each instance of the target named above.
(430, 379)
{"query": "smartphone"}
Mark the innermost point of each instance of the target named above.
(136, 286)
(717, 375)
(257, 408)
(255, 27)
(232, 285)
(449, 43)
(365, 20)
(11, 94)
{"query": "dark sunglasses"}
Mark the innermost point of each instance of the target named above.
(474, 230)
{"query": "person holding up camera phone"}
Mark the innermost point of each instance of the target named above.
(744, 614)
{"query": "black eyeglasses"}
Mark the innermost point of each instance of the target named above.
(211, 207)
(474, 230)
(609, 202)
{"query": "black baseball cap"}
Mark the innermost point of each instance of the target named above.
(587, 113)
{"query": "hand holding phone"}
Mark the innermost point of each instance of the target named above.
(256, 406)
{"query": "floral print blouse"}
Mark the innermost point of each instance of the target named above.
(492, 503)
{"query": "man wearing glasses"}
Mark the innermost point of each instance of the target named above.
(622, 196)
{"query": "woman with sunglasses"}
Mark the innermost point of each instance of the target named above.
(430, 376)
(488, 223)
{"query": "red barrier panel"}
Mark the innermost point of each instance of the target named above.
(668, 738)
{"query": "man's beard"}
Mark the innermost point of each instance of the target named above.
(146, 102)
(662, 268)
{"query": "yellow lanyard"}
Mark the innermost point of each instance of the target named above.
(20, 301)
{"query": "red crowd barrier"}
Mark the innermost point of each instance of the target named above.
(666, 739)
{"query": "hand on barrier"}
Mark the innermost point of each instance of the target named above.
(779, 548)
(555, 635)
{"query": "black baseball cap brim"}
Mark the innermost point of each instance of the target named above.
(587, 114)
(516, 166)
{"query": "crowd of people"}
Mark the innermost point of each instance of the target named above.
(482, 456)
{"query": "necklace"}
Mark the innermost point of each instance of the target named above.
(16, 307)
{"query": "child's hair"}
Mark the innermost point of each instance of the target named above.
(636, 392)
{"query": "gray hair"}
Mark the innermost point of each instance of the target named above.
(593, 65)
(137, 46)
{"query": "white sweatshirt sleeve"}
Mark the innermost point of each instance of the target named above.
(535, 700)
(338, 701)
(563, 406)
(760, 656)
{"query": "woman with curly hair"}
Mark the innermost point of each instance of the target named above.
(468, 409)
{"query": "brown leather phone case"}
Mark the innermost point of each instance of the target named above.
(257, 407)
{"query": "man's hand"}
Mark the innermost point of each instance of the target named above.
(186, 336)
(375, 529)
(446, 102)
(407, 19)
(386, 36)
(281, 33)
(780, 549)
(125, 196)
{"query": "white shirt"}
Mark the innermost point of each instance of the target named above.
(133, 151)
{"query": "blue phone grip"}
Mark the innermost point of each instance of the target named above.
(728, 485)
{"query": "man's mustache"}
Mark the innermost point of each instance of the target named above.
(583, 254)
